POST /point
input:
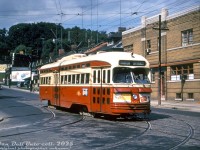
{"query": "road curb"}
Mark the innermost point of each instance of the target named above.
(175, 106)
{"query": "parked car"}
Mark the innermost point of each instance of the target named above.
(27, 84)
(20, 84)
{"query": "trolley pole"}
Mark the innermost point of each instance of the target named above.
(159, 60)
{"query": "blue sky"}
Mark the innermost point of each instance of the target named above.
(102, 15)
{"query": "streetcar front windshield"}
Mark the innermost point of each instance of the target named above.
(129, 75)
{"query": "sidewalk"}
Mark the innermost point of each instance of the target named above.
(193, 106)
(20, 89)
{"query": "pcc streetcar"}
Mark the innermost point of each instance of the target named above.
(108, 83)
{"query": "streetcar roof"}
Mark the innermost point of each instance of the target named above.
(109, 57)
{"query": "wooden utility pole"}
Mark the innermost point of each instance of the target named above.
(159, 63)
(31, 67)
(159, 84)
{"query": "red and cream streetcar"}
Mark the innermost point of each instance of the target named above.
(108, 83)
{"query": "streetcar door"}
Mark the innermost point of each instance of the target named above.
(56, 89)
(99, 90)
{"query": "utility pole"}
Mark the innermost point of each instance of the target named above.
(61, 36)
(159, 85)
(159, 63)
(31, 68)
(56, 39)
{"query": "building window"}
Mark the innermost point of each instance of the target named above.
(177, 71)
(149, 44)
(128, 48)
(190, 95)
(178, 95)
(187, 37)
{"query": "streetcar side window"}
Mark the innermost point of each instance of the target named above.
(87, 78)
(49, 80)
(108, 76)
(62, 79)
(82, 78)
(65, 79)
(69, 79)
(73, 79)
(45, 80)
(104, 76)
(99, 76)
(94, 76)
(77, 78)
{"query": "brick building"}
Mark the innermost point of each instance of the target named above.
(180, 52)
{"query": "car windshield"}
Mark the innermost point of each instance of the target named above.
(129, 75)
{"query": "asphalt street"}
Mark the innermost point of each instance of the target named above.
(26, 124)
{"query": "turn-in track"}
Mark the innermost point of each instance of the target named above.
(40, 125)
(131, 137)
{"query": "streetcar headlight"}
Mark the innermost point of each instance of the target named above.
(135, 96)
(144, 98)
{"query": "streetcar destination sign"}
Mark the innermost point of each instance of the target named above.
(131, 63)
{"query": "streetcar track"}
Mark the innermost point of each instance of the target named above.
(39, 106)
(26, 125)
(44, 129)
(188, 137)
(25, 115)
(34, 114)
(2, 108)
(128, 139)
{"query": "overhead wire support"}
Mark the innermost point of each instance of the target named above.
(61, 15)
(97, 22)
(120, 7)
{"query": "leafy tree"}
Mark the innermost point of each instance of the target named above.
(39, 37)
(48, 48)
(4, 49)
(20, 48)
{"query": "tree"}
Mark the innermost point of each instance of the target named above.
(39, 36)
(20, 49)
(4, 49)
(48, 48)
